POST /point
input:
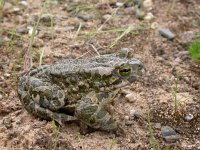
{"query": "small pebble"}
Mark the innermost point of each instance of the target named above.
(148, 4)
(64, 18)
(7, 6)
(129, 122)
(135, 114)
(129, 11)
(131, 97)
(138, 3)
(187, 79)
(4, 61)
(178, 60)
(69, 28)
(154, 25)
(1, 78)
(7, 122)
(132, 111)
(16, 9)
(183, 55)
(167, 131)
(7, 75)
(128, 4)
(18, 67)
(24, 3)
(189, 117)
(22, 30)
(3, 40)
(172, 138)
(85, 17)
(1, 97)
(126, 117)
(106, 17)
(30, 31)
(186, 38)
(149, 16)
(38, 43)
(18, 120)
(166, 33)
(47, 19)
(157, 125)
(169, 134)
(119, 4)
(139, 13)
(126, 91)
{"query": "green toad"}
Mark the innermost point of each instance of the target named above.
(78, 89)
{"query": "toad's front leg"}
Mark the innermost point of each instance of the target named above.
(94, 115)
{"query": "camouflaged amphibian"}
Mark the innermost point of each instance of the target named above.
(78, 89)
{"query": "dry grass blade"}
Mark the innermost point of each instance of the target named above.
(126, 32)
(76, 8)
(41, 56)
(101, 27)
(28, 57)
(95, 49)
(79, 29)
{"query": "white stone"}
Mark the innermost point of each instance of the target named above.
(7, 75)
(148, 4)
(126, 117)
(132, 111)
(30, 31)
(119, 4)
(149, 16)
(1, 78)
(131, 97)
(16, 9)
(24, 3)
(178, 60)
(189, 117)
(106, 17)
(7, 6)
(154, 25)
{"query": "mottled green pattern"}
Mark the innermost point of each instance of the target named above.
(78, 89)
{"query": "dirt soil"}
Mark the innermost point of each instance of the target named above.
(81, 29)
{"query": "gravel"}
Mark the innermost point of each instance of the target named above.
(166, 33)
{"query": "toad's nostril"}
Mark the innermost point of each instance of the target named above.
(140, 66)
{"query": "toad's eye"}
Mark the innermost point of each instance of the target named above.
(124, 71)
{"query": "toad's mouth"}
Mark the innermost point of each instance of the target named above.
(114, 87)
(122, 84)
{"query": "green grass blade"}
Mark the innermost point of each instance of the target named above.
(153, 141)
(195, 48)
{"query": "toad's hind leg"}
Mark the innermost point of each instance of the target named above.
(94, 115)
(44, 113)
(43, 105)
(43, 93)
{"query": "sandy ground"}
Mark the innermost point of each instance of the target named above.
(67, 36)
